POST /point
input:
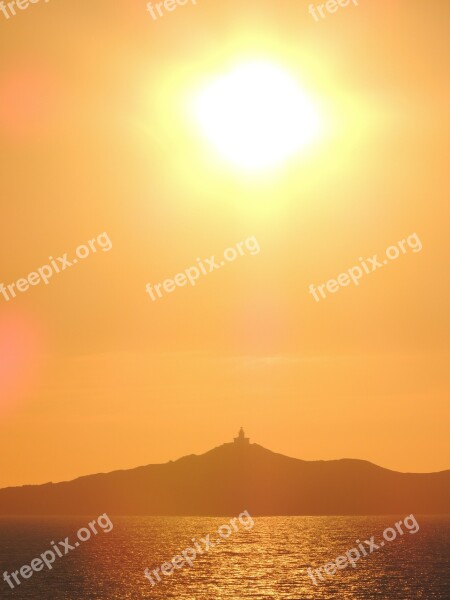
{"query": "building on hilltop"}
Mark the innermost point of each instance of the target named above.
(241, 439)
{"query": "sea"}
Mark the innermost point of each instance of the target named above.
(255, 558)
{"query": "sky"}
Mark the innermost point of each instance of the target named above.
(97, 138)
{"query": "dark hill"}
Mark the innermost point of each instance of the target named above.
(236, 477)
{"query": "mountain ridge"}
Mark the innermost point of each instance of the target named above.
(237, 476)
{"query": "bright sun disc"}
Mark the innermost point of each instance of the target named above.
(256, 115)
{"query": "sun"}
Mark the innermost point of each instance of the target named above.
(256, 115)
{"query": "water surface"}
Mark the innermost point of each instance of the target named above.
(268, 561)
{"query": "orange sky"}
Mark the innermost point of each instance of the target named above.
(93, 375)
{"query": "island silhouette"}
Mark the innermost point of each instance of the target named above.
(234, 476)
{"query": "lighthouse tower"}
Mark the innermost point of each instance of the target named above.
(241, 440)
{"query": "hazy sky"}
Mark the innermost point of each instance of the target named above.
(94, 376)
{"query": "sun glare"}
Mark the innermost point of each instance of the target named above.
(256, 115)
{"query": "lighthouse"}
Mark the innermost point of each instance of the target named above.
(241, 440)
